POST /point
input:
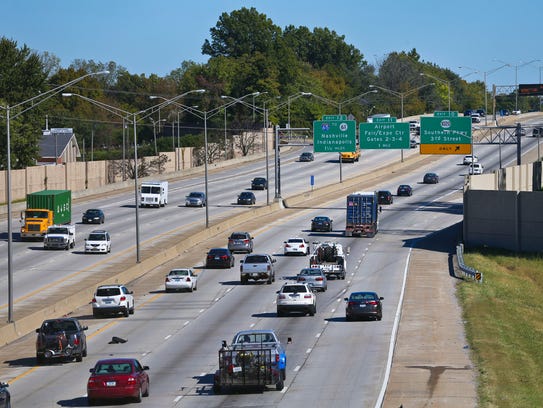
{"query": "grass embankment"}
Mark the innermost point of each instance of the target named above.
(504, 326)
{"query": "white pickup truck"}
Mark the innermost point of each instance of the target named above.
(59, 237)
(257, 267)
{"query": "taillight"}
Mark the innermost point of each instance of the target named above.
(372, 302)
(91, 382)
(351, 304)
(167, 279)
(287, 246)
(245, 241)
(131, 380)
(302, 245)
(307, 296)
(188, 279)
(76, 341)
(319, 279)
(123, 298)
(301, 279)
(277, 358)
(281, 296)
(223, 257)
(93, 300)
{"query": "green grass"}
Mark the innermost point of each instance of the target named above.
(504, 327)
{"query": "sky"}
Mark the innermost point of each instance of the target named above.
(501, 38)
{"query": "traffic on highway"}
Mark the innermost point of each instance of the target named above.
(173, 343)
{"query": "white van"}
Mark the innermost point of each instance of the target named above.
(476, 168)
(154, 194)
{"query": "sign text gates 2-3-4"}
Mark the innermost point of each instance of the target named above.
(384, 135)
(334, 136)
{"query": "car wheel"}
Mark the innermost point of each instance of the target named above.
(196, 287)
(96, 314)
(280, 313)
(280, 385)
(244, 280)
(191, 289)
(138, 398)
(84, 353)
(131, 310)
(126, 311)
(91, 402)
(146, 394)
(79, 358)
(312, 311)
(40, 359)
(269, 281)
(348, 318)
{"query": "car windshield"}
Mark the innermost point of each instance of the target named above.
(296, 241)
(218, 251)
(92, 212)
(97, 237)
(115, 368)
(256, 259)
(311, 272)
(108, 291)
(59, 325)
(294, 289)
(363, 296)
(179, 272)
(245, 195)
(239, 236)
(320, 219)
(196, 195)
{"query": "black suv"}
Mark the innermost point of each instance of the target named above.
(259, 183)
(321, 223)
(384, 197)
(60, 339)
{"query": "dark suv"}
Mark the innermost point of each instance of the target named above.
(240, 242)
(384, 197)
(59, 339)
(259, 183)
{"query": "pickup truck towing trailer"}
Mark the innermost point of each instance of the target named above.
(255, 358)
(329, 257)
(59, 237)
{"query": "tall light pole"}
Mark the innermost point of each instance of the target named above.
(254, 95)
(354, 98)
(448, 83)
(33, 102)
(154, 132)
(401, 95)
(517, 66)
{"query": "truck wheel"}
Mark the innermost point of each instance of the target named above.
(280, 385)
(79, 358)
(312, 311)
(243, 280)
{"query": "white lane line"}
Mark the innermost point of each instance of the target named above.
(187, 322)
(202, 310)
(297, 368)
(177, 399)
(252, 325)
(318, 335)
(333, 311)
(167, 337)
(216, 299)
(284, 390)
(308, 351)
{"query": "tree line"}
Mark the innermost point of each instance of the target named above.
(248, 54)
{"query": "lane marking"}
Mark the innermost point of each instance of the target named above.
(297, 368)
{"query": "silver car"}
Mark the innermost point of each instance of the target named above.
(314, 277)
(196, 199)
(240, 242)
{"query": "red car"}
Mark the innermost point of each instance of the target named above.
(117, 378)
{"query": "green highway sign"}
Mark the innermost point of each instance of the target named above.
(445, 135)
(446, 113)
(334, 117)
(334, 136)
(384, 134)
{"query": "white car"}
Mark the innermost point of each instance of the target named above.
(98, 241)
(296, 246)
(470, 159)
(476, 168)
(112, 299)
(296, 297)
(181, 279)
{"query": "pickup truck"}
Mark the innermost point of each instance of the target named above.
(257, 267)
(255, 358)
(59, 237)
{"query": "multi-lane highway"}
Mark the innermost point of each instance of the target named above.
(330, 361)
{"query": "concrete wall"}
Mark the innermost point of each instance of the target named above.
(504, 219)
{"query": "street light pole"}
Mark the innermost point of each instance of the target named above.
(516, 75)
(345, 102)
(35, 101)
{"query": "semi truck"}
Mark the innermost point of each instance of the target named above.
(44, 209)
(362, 212)
(154, 194)
(330, 258)
(255, 358)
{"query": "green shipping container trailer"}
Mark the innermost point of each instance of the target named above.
(57, 201)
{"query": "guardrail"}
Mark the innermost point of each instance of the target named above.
(467, 271)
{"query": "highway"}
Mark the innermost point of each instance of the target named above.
(330, 361)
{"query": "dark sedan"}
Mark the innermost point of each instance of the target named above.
(93, 216)
(306, 157)
(117, 378)
(259, 183)
(321, 223)
(430, 178)
(384, 197)
(364, 305)
(404, 190)
(219, 258)
(246, 198)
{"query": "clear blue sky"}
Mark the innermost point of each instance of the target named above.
(155, 36)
